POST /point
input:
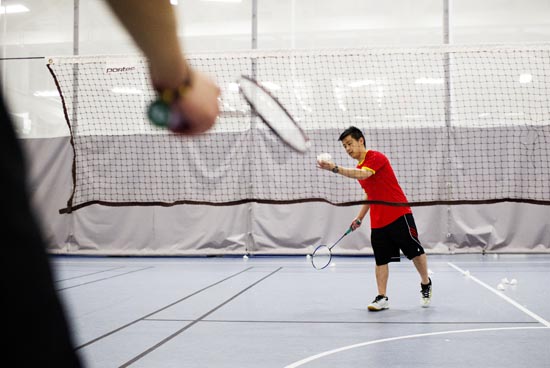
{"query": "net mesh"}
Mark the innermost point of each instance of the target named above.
(459, 125)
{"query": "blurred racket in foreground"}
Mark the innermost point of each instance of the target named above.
(266, 106)
(322, 255)
(273, 114)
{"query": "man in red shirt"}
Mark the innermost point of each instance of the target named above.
(392, 227)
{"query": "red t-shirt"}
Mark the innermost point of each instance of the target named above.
(382, 186)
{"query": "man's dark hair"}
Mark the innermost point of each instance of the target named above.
(354, 132)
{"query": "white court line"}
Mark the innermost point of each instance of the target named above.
(349, 347)
(508, 299)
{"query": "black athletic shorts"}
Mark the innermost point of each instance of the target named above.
(399, 235)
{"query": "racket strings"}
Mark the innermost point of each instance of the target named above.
(270, 110)
(321, 257)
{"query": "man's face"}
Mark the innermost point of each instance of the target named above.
(353, 147)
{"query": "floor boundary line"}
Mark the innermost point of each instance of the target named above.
(165, 340)
(349, 347)
(196, 292)
(505, 297)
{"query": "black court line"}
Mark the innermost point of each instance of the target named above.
(160, 310)
(105, 278)
(346, 322)
(162, 342)
(89, 274)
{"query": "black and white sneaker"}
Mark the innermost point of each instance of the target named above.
(426, 294)
(379, 303)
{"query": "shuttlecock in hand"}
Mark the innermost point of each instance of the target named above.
(324, 157)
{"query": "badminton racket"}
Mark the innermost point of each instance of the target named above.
(270, 110)
(264, 105)
(322, 255)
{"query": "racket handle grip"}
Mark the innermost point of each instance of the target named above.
(356, 222)
(177, 122)
(168, 116)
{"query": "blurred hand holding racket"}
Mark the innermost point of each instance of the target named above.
(166, 111)
(189, 108)
(322, 255)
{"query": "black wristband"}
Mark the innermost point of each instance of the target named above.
(335, 169)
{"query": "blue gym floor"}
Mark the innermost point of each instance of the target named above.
(280, 312)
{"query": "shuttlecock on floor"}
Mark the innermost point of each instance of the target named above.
(513, 282)
(467, 273)
(501, 287)
(505, 280)
(245, 257)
